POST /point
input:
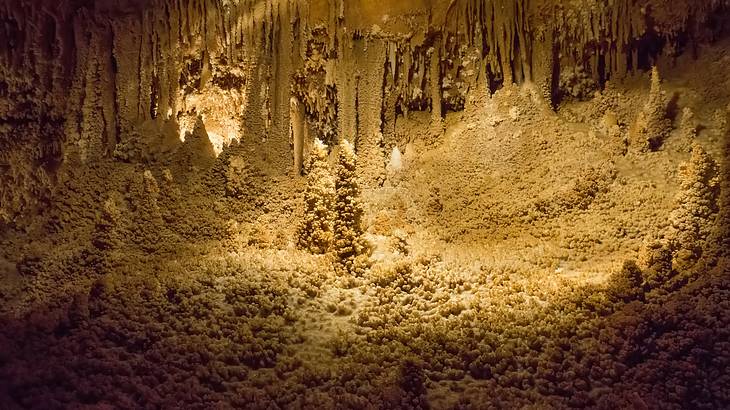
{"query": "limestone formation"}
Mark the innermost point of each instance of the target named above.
(692, 220)
(83, 81)
(316, 232)
(653, 125)
(360, 204)
(108, 234)
(349, 244)
(688, 125)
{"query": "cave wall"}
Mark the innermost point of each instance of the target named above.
(81, 81)
(87, 80)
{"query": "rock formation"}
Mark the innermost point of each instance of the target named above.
(80, 79)
(360, 204)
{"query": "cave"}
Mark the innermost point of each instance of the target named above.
(356, 204)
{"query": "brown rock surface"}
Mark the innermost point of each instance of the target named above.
(508, 208)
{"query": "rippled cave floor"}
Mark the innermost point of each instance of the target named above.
(497, 277)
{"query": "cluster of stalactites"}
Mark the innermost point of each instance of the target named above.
(513, 36)
(407, 72)
(498, 29)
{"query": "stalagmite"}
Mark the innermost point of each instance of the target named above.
(157, 61)
(361, 204)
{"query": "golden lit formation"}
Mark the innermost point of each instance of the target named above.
(416, 204)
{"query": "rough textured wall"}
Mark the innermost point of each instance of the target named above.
(84, 80)
(80, 81)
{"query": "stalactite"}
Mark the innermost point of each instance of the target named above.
(280, 85)
(368, 143)
(346, 89)
(109, 67)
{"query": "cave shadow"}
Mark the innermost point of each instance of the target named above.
(673, 106)
(117, 347)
